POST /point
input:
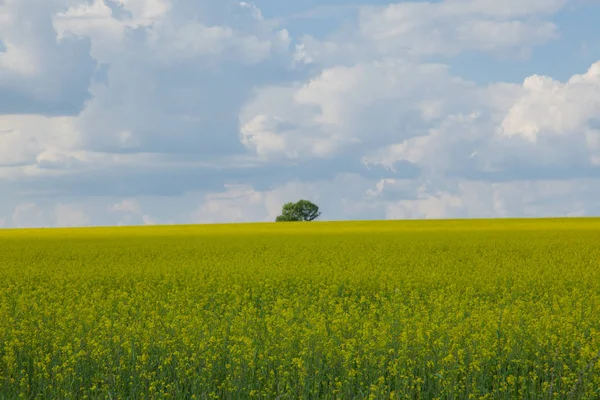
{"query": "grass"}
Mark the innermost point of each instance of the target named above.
(480, 309)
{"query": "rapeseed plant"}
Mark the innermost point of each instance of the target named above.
(365, 310)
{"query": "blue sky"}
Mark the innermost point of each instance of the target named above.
(191, 111)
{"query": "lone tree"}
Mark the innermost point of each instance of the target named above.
(303, 210)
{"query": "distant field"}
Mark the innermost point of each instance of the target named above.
(505, 309)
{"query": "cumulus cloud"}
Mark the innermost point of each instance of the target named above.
(338, 198)
(242, 203)
(70, 215)
(35, 139)
(163, 63)
(476, 199)
(34, 77)
(126, 206)
(29, 215)
(419, 113)
(126, 98)
(442, 28)
(549, 107)
(366, 104)
(450, 27)
(132, 214)
(168, 32)
(148, 220)
(540, 124)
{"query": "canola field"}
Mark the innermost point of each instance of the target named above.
(505, 309)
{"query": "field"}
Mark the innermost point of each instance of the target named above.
(506, 309)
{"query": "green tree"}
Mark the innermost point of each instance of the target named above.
(302, 210)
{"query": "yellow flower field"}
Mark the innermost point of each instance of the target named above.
(506, 309)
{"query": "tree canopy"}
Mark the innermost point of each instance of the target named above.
(302, 210)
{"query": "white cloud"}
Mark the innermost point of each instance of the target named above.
(421, 29)
(438, 206)
(177, 56)
(242, 203)
(472, 199)
(29, 139)
(161, 62)
(451, 27)
(256, 12)
(18, 61)
(504, 9)
(554, 108)
(146, 10)
(170, 35)
(126, 206)
(408, 199)
(193, 40)
(70, 215)
(28, 215)
(418, 113)
(543, 124)
(148, 220)
(130, 97)
(31, 215)
(344, 106)
(34, 77)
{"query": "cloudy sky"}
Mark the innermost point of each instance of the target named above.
(187, 111)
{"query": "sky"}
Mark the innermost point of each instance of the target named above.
(132, 112)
